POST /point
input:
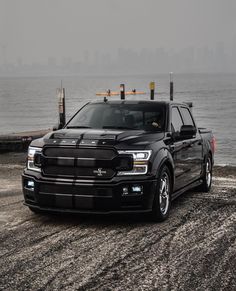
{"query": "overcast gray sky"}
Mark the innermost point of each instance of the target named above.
(37, 29)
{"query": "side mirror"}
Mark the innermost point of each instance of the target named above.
(188, 131)
(57, 126)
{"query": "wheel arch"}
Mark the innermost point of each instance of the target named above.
(211, 156)
(171, 169)
(208, 154)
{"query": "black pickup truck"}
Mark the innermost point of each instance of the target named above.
(119, 157)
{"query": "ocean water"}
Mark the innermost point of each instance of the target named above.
(30, 103)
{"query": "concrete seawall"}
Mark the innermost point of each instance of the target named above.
(19, 141)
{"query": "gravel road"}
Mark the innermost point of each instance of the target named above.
(195, 249)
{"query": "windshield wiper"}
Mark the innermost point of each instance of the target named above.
(117, 127)
(78, 127)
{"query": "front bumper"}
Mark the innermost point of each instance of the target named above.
(80, 196)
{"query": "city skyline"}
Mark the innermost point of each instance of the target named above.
(145, 60)
(109, 36)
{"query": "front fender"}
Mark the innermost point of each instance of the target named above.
(163, 156)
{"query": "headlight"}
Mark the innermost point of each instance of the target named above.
(32, 151)
(140, 162)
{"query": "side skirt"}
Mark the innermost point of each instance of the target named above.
(186, 188)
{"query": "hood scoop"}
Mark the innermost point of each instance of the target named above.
(99, 136)
(96, 137)
(65, 135)
(83, 137)
(84, 134)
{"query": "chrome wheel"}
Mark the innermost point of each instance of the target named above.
(206, 177)
(164, 193)
(208, 172)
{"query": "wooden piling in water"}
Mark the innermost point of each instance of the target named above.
(122, 91)
(152, 90)
(171, 87)
(61, 106)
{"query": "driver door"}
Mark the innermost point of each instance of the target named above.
(180, 151)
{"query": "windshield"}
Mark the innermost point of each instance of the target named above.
(140, 116)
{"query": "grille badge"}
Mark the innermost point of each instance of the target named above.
(99, 172)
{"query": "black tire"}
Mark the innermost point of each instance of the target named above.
(207, 175)
(162, 198)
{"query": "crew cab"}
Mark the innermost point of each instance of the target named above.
(119, 157)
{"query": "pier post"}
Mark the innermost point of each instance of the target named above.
(171, 87)
(122, 91)
(152, 90)
(61, 107)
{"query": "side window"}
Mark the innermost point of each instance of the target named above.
(188, 120)
(176, 121)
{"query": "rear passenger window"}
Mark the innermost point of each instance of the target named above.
(176, 121)
(187, 116)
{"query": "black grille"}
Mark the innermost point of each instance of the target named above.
(88, 163)
(75, 190)
(79, 152)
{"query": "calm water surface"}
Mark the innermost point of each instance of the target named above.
(31, 103)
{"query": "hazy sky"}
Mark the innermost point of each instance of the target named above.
(38, 29)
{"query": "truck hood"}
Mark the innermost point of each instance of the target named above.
(95, 137)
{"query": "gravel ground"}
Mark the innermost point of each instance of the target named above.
(195, 249)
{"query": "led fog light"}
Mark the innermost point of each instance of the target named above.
(132, 190)
(125, 191)
(30, 184)
(137, 189)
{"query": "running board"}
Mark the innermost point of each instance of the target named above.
(186, 188)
